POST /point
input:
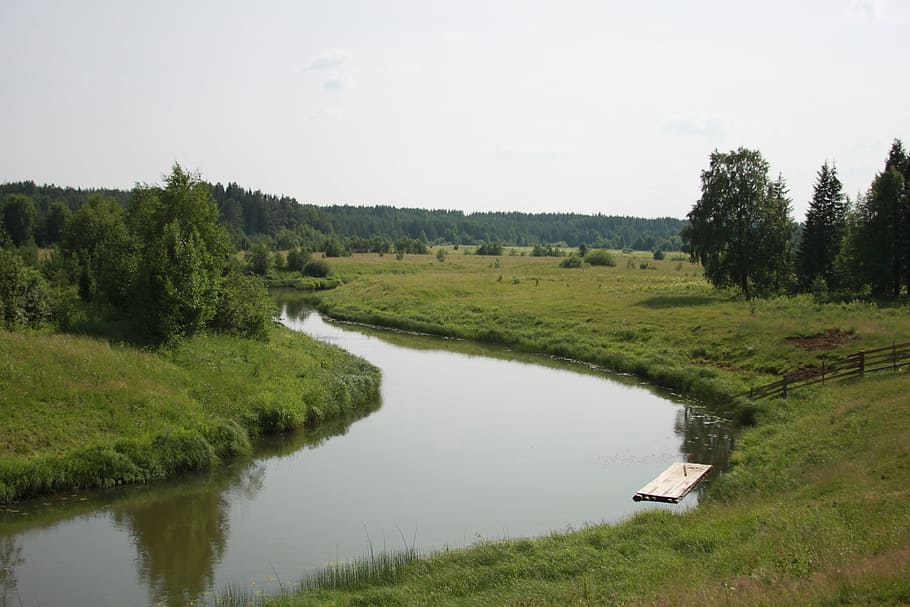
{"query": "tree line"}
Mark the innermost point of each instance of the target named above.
(281, 223)
(740, 230)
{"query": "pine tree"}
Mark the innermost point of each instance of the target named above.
(882, 242)
(823, 231)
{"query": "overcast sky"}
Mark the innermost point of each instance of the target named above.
(593, 107)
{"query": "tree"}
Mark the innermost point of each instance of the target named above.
(824, 230)
(740, 228)
(24, 295)
(182, 253)
(103, 252)
(19, 215)
(56, 222)
(880, 256)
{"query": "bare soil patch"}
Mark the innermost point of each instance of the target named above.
(827, 340)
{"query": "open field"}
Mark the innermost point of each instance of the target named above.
(814, 510)
(81, 412)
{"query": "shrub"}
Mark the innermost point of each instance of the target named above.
(600, 257)
(244, 307)
(24, 295)
(317, 268)
(572, 261)
(658, 255)
(297, 259)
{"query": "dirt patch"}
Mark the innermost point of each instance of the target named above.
(827, 340)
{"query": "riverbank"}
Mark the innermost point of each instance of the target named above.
(813, 511)
(79, 412)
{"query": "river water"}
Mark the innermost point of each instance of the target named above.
(463, 446)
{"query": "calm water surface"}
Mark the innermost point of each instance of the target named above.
(461, 447)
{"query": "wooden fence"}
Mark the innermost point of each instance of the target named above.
(854, 365)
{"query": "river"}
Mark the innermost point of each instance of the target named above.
(467, 443)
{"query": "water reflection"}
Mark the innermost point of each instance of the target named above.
(179, 529)
(10, 558)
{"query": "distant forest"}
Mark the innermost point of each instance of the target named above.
(280, 222)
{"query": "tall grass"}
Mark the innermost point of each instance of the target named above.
(79, 412)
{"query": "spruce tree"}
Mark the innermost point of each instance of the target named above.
(882, 242)
(823, 231)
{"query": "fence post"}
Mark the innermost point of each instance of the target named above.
(893, 356)
(862, 363)
(823, 371)
(783, 392)
(750, 393)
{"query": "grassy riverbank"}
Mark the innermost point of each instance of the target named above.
(81, 412)
(814, 511)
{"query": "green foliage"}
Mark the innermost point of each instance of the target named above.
(658, 255)
(18, 215)
(101, 250)
(259, 260)
(441, 255)
(25, 299)
(880, 237)
(740, 229)
(297, 259)
(56, 223)
(489, 248)
(572, 261)
(318, 268)
(824, 230)
(600, 257)
(182, 250)
(244, 307)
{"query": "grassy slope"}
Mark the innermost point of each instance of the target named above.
(814, 510)
(76, 411)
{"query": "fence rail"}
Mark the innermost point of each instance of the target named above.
(854, 365)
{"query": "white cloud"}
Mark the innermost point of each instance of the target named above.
(336, 84)
(326, 60)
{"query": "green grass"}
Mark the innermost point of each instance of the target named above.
(79, 412)
(814, 509)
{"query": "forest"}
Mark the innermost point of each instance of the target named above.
(280, 222)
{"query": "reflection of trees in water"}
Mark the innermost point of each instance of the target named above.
(10, 558)
(181, 530)
(706, 440)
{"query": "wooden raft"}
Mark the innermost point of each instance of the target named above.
(673, 484)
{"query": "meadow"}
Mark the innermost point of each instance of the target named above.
(82, 412)
(813, 510)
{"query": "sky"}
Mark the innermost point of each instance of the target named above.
(570, 106)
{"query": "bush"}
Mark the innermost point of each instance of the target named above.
(658, 255)
(600, 258)
(317, 268)
(25, 299)
(572, 261)
(297, 259)
(244, 307)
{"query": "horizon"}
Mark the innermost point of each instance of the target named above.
(513, 106)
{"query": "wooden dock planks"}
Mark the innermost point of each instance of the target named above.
(673, 484)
